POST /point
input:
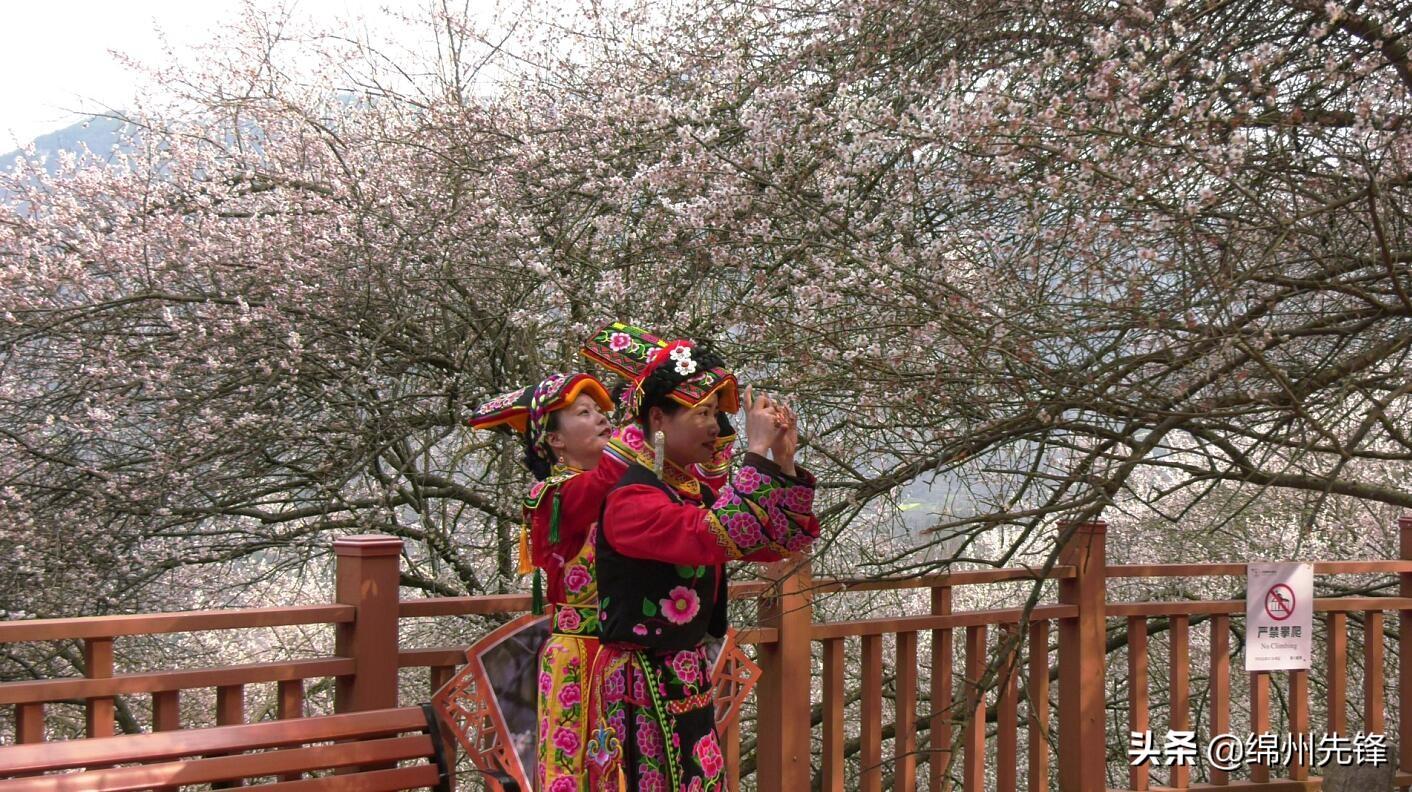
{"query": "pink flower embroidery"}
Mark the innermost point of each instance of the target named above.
(639, 629)
(798, 542)
(652, 781)
(649, 738)
(632, 436)
(564, 784)
(619, 341)
(618, 721)
(744, 531)
(546, 683)
(568, 619)
(686, 667)
(577, 578)
(566, 740)
(615, 685)
(746, 480)
(708, 755)
(681, 605)
(570, 695)
(779, 525)
(799, 499)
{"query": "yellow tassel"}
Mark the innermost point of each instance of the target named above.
(526, 562)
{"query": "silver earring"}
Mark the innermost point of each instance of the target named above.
(659, 449)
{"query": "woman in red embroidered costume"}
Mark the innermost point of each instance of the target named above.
(662, 547)
(565, 429)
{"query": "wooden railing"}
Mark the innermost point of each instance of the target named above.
(1017, 694)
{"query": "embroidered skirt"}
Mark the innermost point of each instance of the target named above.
(654, 722)
(564, 705)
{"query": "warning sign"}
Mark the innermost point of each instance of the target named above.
(1279, 616)
(1279, 602)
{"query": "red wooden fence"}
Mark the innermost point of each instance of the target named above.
(1002, 682)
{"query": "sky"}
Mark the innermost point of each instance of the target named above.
(57, 61)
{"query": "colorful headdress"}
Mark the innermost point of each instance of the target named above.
(527, 409)
(692, 372)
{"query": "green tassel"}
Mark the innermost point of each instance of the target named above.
(537, 595)
(554, 519)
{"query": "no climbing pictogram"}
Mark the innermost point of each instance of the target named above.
(1279, 602)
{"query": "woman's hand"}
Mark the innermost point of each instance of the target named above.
(762, 427)
(787, 441)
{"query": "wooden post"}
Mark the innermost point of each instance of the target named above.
(368, 576)
(29, 723)
(98, 664)
(1082, 739)
(290, 705)
(1404, 649)
(1179, 675)
(973, 732)
(870, 769)
(1139, 775)
(1040, 735)
(783, 691)
(1260, 718)
(939, 761)
(166, 710)
(834, 699)
(905, 739)
(1220, 684)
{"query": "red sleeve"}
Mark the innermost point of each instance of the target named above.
(580, 501)
(642, 521)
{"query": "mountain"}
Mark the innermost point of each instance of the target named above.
(98, 133)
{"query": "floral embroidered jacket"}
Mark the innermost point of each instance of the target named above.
(662, 547)
(580, 494)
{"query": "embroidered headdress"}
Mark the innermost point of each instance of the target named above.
(683, 370)
(527, 409)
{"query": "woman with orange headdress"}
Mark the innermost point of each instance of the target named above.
(565, 428)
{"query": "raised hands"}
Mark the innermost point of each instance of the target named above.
(762, 425)
(787, 441)
(771, 426)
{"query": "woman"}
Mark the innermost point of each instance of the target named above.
(662, 546)
(565, 430)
